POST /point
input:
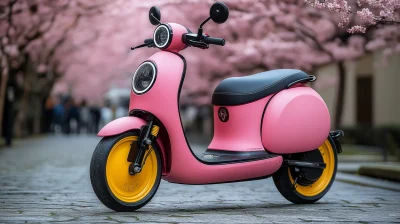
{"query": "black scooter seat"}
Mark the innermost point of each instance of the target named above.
(241, 90)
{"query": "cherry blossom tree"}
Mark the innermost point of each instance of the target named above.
(371, 12)
(290, 34)
(56, 45)
(31, 34)
(260, 35)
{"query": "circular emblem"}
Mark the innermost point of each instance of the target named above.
(223, 114)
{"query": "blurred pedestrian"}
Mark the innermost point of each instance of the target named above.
(59, 115)
(121, 111)
(94, 119)
(72, 118)
(85, 117)
(8, 119)
(106, 114)
(48, 113)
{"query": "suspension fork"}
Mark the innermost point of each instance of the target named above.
(139, 150)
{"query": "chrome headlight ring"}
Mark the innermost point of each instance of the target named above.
(162, 36)
(144, 77)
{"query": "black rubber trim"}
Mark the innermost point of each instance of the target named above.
(227, 157)
(260, 153)
(227, 182)
(310, 78)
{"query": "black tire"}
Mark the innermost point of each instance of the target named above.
(99, 180)
(285, 185)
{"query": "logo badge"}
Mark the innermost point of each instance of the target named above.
(223, 114)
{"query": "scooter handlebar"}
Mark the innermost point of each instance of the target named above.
(215, 41)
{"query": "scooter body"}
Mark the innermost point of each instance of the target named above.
(256, 128)
(282, 125)
(182, 165)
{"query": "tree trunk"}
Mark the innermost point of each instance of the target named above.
(3, 87)
(340, 94)
(36, 106)
(21, 124)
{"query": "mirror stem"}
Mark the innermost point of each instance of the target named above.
(200, 31)
(205, 21)
(159, 22)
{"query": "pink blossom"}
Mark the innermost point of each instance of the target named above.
(371, 13)
(357, 29)
(260, 35)
(367, 16)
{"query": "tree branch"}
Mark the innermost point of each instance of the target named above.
(312, 37)
(63, 38)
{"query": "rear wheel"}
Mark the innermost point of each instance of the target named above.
(110, 178)
(308, 185)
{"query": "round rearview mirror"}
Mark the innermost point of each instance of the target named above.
(219, 12)
(155, 15)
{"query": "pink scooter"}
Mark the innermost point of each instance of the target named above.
(267, 124)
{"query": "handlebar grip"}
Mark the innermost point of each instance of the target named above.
(149, 40)
(216, 41)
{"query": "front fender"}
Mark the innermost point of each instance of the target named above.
(121, 125)
(125, 124)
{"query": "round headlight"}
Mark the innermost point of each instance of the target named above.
(144, 78)
(162, 36)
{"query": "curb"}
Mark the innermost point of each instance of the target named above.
(367, 181)
(385, 171)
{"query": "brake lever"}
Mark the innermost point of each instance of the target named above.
(198, 44)
(148, 44)
(139, 46)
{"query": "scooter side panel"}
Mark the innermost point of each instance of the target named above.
(162, 101)
(241, 130)
(295, 120)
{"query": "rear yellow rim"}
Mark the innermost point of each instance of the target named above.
(125, 187)
(323, 181)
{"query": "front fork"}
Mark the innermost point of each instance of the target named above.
(139, 150)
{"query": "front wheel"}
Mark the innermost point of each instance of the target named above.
(110, 178)
(311, 184)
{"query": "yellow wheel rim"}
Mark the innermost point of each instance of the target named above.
(125, 187)
(323, 181)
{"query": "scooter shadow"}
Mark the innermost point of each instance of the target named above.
(212, 208)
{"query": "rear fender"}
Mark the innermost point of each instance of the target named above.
(125, 124)
(335, 136)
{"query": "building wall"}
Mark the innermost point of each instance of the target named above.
(386, 97)
(387, 94)
(327, 86)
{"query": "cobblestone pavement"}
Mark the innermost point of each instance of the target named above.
(46, 180)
